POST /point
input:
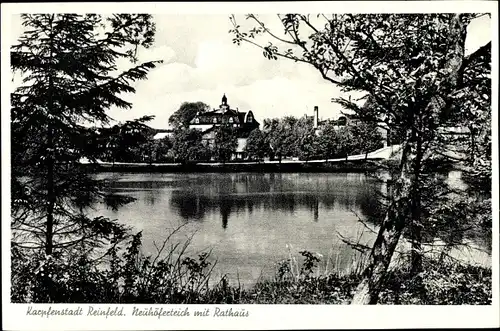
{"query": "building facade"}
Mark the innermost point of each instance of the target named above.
(242, 122)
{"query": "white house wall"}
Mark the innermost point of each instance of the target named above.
(202, 127)
(242, 144)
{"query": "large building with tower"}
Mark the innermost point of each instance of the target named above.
(243, 122)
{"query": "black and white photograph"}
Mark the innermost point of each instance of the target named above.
(181, 164)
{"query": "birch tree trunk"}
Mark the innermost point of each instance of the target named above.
(399, 211)
(389, 233)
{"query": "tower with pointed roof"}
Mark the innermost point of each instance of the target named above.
(224, 107)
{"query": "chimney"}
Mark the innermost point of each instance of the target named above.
(316, 117)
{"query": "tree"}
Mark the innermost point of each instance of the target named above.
(467, 208)
(257, 146)
(160, 148)
(225, 142)
(275, 137)
(367, 138)
(409, 67)
(327, 140)
(345, 141)
(124, 140)
(187, 145)
(284, 134)
(309, 144)
(69, 76)
(186, 112)
(303, 138)
(152, 150)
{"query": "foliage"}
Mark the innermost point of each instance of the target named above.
(257, 147)
(443, 283)
(411, 70)
(186, 112)
(158, 149)
(275, 136)
(367, 137)
(68, 71)
(290, 136)
(309, 145)
(187, 145)
(310, 262)
(171, 276)
(225, 142)
(131, 141)
(293, 130)
(124, 140)
(328, 140)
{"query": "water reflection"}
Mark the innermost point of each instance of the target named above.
(250, 219)
(240, 194)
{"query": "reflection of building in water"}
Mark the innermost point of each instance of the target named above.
(286, 194)
(316, 209)
(150, 197)
(225, 211)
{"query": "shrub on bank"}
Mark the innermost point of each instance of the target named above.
(174, 277)
(448, 283)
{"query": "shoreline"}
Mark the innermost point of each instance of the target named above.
(349, 166)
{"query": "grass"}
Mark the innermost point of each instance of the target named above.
(170, 276)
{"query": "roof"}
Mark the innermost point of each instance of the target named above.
(226, 115)
(231, 116)
(161, 135)
(208, 117)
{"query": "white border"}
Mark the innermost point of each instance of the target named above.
(261, 316)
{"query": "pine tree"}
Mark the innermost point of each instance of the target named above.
(70, 77)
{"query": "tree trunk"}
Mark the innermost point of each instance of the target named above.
(405, 186)
(416, 249)
(49, 231)
(416, 222)
(389, 233)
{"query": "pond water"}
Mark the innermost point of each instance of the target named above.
(250, 221)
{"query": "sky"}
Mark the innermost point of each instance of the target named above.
(201, 64)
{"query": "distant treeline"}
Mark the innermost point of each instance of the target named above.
(287, 137)
(345, 166)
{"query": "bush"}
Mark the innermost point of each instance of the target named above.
(173, 277)
(448, 283)
(129, 278)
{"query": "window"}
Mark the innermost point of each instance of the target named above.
(250, 118)
(214, 120)
(197, 120)
(230, 120)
